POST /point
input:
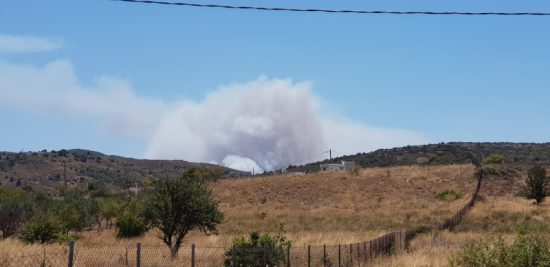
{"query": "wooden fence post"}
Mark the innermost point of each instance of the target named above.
(138, 255)
(193, 255)
(71, 253)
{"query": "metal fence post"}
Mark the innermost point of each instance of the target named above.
(308, 255)
(138, 255)
(71, 253)
(193, 255)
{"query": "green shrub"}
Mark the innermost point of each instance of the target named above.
(494, 159)
(130, 225)
(526, 250)
(41, 229)
(257, 250)
(447, 195)
(536, 184)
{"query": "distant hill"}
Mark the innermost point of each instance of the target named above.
(48, 170)
(443, 153)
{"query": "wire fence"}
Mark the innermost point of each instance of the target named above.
(44, 258)
(452, 222)
(456, 219)
(348, 255)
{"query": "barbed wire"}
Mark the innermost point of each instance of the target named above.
(339, 11)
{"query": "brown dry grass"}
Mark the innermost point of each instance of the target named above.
(378, 199)
(429, 250)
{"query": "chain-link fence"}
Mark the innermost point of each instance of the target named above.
(47, 257)
(348, 255)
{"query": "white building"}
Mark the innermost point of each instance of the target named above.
(345, 166)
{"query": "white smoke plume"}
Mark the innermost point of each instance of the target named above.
(54, 90)
(264, 125)
(260, 124)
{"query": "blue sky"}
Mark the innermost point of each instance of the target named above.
(446, 78)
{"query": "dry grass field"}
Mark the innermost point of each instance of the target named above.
(379, 199)
(343, 208)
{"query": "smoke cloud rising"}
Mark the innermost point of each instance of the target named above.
(258, 125)
(263, 125)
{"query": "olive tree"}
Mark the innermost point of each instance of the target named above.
(177, 206)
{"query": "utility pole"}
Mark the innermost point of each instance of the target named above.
(65, 172)
(330, 154)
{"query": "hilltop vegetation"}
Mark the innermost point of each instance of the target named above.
(48, 171)
(444, 154)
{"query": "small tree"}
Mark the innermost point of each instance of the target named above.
(108, 209)
(12, 213)
(177, 206)
(43, 228)
(536, 184)
(14, 208)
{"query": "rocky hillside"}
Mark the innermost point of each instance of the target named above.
(444, 153)
(48, 170)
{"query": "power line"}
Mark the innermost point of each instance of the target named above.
(340, 11)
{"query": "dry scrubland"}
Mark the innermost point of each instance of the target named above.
(344, 208)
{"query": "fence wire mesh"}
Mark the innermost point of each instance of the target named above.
(45, 258)
(88, 256)
(356, 254)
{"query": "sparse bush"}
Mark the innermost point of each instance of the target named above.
(447, 195)
(43, 228)
(494, 159)
(258, 250)
(536, 184)
(526, 250)
(130, 225)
